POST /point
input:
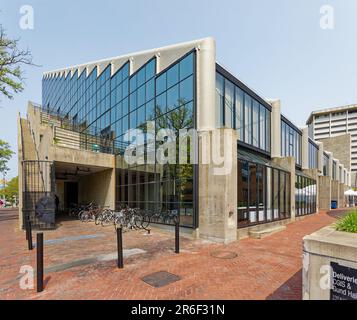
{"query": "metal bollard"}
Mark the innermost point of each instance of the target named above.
(120, 248)
(29, 235)
(177, 237)
(26, 229)
(39, 246)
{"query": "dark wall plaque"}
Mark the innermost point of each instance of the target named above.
(343, 283)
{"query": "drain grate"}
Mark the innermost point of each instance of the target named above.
(224, 255)
(160, 279)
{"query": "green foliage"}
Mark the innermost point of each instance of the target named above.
(11, 190)
(5, 155)
(348, 223)
(11, 61)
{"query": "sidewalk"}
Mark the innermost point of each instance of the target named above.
(80, 262)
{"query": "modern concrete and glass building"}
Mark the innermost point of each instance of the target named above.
(276, 173)
(340, 124)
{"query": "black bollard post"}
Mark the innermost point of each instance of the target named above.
(29, 235)
(39, 246)
(177, 237)
(27, 229)
(120, 248)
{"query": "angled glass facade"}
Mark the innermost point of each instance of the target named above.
(109, 106)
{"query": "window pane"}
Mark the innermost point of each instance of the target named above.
(186, 67)
(150, 69)
(248, 119)
(161, 103)
(150, 110)
(161, 84)
(186, 90)
(219, 99)
(172, 98)
(172, 76)
(262, 128)
(229, 100)
(255, 123)
(141, 96)
(150, 90)
(133, 83)
(239, 113)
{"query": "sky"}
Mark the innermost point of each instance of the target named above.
(276, 47)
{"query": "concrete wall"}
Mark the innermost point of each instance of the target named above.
(340, 146)
(218, 190)
(319, 250)
(342, 198)
(98, 187)
(324, 199)
(335, 190)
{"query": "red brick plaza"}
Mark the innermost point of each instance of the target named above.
(80, 263)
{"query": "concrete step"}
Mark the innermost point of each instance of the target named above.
(265, 232)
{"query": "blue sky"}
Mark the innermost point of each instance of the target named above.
(276, 47)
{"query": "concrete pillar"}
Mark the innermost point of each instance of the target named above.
(288, 163)
(206, 85)
(305, 148)
(218, 190)
(342, 198)
(276, 129)
(334, 190)
(324, 199)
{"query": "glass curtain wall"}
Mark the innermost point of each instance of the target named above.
(313, 155)
(263, 194)
(166, 99)
(305, 195)
(237, 109)
(291, 142)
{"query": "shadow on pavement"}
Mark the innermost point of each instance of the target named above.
(290, 290)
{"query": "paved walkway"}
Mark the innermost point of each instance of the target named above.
(80, 263)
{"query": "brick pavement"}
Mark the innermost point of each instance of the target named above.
(263, 269)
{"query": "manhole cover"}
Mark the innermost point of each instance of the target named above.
(160, 279)
(224, 254)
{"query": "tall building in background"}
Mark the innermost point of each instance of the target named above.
(337, 129)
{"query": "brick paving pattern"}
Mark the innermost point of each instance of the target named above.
(80, 263)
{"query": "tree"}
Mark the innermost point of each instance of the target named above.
(11, 61)
(5, 155)
(11, 190)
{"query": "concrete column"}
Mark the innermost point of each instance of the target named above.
(324, 199)
(342, 198)
(276, 129)
(288, 163)
(305, 148)
(206, 85)
(218, 190)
